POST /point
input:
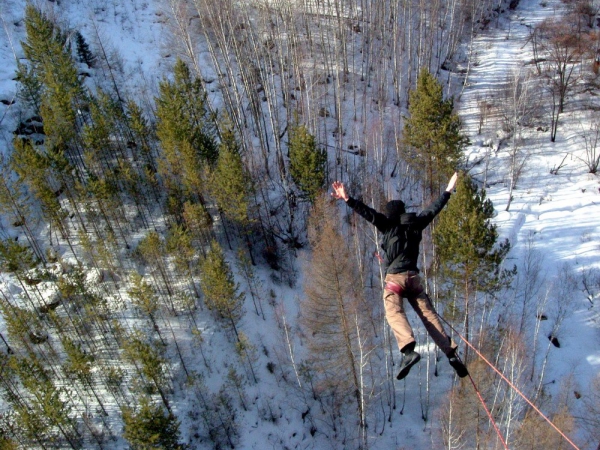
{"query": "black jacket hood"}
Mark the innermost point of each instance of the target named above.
(408, 219)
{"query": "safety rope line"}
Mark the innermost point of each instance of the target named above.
(488, 413)
(511, 385)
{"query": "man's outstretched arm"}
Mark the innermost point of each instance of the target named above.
(376, 218)
(434, 209)
(339, 191)
(452, 182)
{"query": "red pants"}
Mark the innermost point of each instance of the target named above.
(408, 285)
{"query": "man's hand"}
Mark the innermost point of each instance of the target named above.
(452, 182)
(339, 191)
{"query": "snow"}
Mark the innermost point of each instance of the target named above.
(556, 214)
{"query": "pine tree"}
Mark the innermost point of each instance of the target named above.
(16, 258)
(145, 299)
(35, 171)
(79, 362)
(83, 50)
(247, 353)
(152, 250)
(179, 245)
(308, 163)
(29, 87)
(220, 290)
(142, 144)
(46, 415)
(48, 53)
(432, 133)
(16, 206)
(150, 427)
(185, 130)
(229, 182)
(6, 443)
(62, 100)
(198, 222)
(41, 34)
(468, 249)
(150, 362)
(42, 37)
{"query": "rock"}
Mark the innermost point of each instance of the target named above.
(554, 341)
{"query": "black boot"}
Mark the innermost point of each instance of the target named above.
(410, 359)
(457, 365)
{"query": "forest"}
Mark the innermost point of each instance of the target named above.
(175, 274)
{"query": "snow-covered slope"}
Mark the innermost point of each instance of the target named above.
(552, 216)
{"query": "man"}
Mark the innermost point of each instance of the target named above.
(402, 233)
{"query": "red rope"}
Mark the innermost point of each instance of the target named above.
(488, 413)
(511, 385)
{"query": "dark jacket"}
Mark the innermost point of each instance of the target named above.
(401, 238)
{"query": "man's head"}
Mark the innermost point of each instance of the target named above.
(394, 209)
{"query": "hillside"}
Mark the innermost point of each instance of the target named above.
(164, 236)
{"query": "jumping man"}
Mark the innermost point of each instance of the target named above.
(402, 233)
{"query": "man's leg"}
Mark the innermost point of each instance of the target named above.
(430, 318)
(396, 317)
(394, 310)
(422, 305)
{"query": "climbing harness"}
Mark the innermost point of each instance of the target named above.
(394, 287)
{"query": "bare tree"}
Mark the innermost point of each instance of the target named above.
(591, 139)
(590, 420)
(333, 315)
(517, 111)
(559, 46)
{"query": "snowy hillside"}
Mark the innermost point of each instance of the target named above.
(253, 387)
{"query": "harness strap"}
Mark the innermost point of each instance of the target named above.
(394, 287)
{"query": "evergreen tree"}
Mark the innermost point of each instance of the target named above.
(16, 205)
(145, 299)
(308, 163)
(198, 222)
(63, 98)
(46, 413)
(83, 50)
(185, 130)
(247, 353)
(48, 53)
(432, 133)
(142, 133)
(150, 362)
(15, 258)
(29, 87)
(6, 443)
(220, 290)
(142, 139)
(179, 245)
(79, 362)
(41, 35)
(229, 182)
(150, 427)
(152, 250)
(468, 249)
(35, 171)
